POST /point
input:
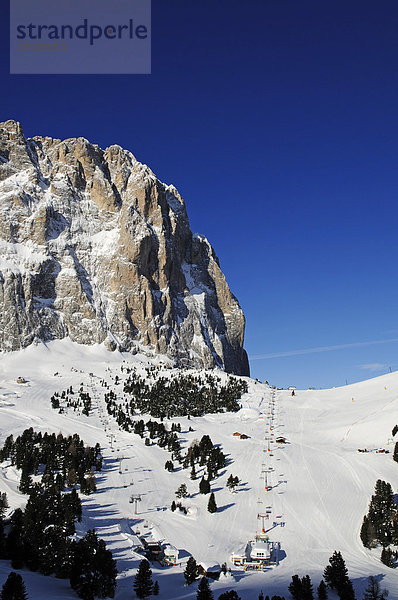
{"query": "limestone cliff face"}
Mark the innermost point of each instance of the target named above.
(93, 246)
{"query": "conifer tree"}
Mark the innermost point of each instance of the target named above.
(25, 483)
(3, 503)
(14, 588)
(306, 588)
(395, 454)
(182, 491)
(191, 570)
(14, 543)
(155, 591)
(322, 592)
(364, 533)
(211, 505)
(3, 507)
(229, 595)
(295, 587)
(91, 483)
(347, 591)
(387, 558)
(143, 584)
(204, 592)
(382, 512)
(204, 486)
(336, 574)
(169, 466)
(232, 482)
(373, 591)
(93, 571)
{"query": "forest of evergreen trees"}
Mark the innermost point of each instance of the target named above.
(183, 395)
(61, 461)
(40, 537)
(80, 401)
(201, 453)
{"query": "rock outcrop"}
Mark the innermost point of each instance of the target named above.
(93, 246)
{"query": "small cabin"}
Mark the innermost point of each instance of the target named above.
(280, 440)
(212, 571)
(152, 548)
(21, 380)
(243, 436)
(238, 558)
(236, 434)
(170, 555)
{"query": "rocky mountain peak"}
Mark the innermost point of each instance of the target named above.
(93, 246)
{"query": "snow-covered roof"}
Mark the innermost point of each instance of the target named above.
(259, 549)
(213, 567)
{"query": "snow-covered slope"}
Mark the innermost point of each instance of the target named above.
(321, 485)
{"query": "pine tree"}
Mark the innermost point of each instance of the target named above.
(347, 591)
(306, 588)
(3, 508)
(169, 466)
(3, 503)
(322, 591)
(25, 483)
(91, 483)
(211, 505)
(395, 455)
(373, 591)
(191, 570)
(204, 486)
(204, 592)
(229, 595)
(261, 596)
(14, 588)
(143, 584)
(173, 506)
(232, 482)
(15, 549)
(364, 535)
(383, 512)
(182, 491)
(295, 587)
(336, 574)
(93, 570)
(155, 591)
(387, 558)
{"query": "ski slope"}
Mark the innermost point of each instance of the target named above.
(321, 485)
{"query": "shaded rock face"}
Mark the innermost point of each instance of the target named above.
(93, 246)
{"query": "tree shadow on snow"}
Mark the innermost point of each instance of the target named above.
(225, 507)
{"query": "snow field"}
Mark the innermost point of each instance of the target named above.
(321, 485)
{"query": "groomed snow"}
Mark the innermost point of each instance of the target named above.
(321, 484)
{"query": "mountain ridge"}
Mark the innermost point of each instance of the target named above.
(94, 247)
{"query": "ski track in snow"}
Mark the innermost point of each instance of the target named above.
(321, 485)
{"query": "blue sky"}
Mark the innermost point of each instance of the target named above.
(277, 121)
